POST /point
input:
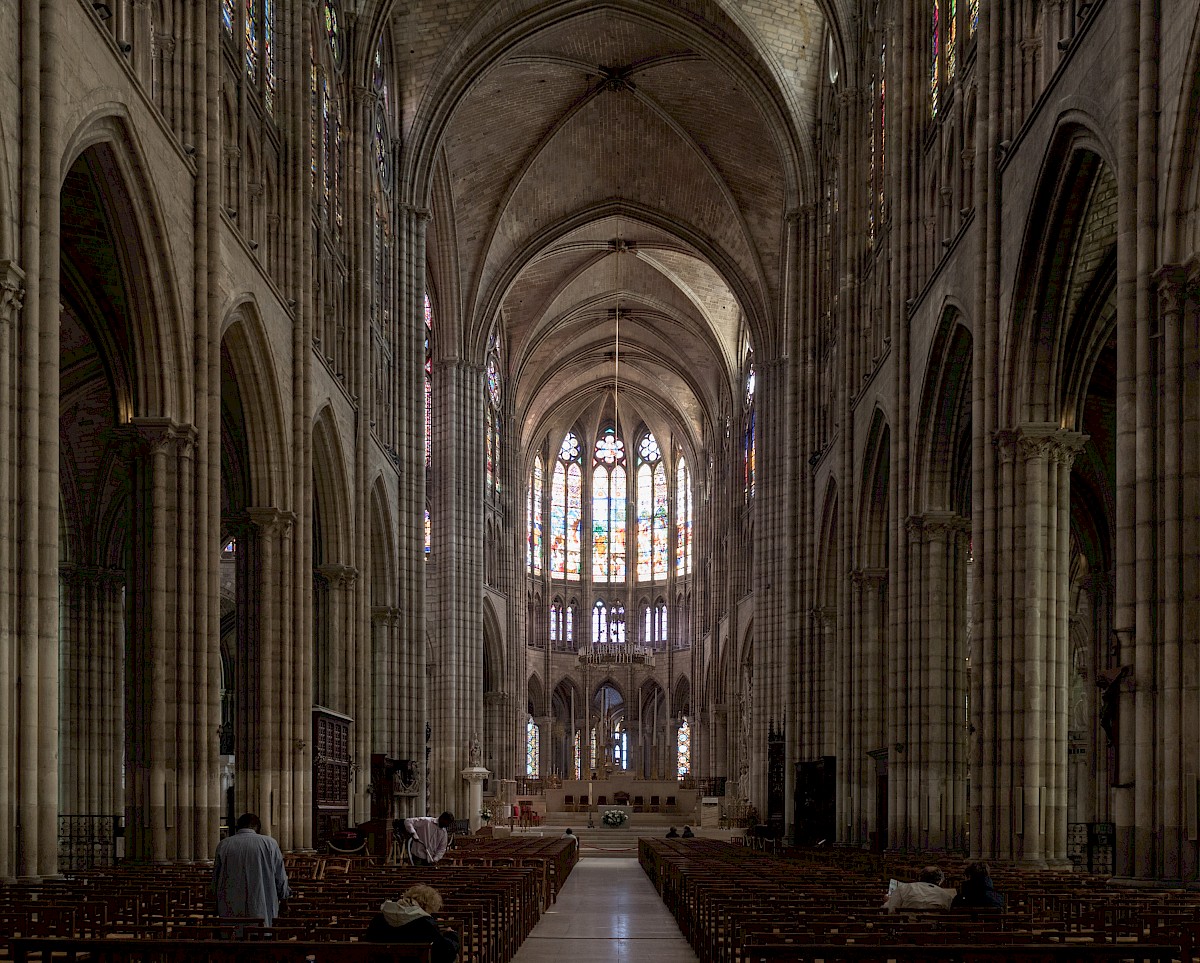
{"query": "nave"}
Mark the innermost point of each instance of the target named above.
(530, 899)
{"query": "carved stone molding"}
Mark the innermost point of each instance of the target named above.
(271, 521)
(12, 291)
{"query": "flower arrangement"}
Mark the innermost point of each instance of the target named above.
(485, 814)
(614, 818)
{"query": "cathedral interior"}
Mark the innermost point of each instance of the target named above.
(785, 403)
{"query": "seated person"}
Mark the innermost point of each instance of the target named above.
(429, 837)
(687, 833)
(570, 834)
(977, 892)
(410, 919)
(671, 834)
(925, 893)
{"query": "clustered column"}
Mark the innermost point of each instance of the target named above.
(1029, 780)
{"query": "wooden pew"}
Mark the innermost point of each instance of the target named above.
(48, 949)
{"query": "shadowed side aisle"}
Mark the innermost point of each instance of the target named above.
(607, 912)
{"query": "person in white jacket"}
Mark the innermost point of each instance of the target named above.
(925, 894)
(429, 838)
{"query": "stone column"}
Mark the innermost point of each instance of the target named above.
(410, 696)
(12, 295)
(474, 776)
(153, 447)
(386, 676)
(457, 517)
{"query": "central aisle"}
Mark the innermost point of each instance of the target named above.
(608, 912)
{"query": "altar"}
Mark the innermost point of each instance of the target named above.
(621, 792)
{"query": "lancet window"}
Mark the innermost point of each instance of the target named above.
(384, 323)
(684, 751)
(428, 410)
(492, 413)
(608, 508)
(536, 478)
(651, 511)
(748, 440)
(566, 511)
(533, 747)
(683, 518)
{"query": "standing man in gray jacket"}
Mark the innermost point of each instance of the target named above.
(248, 874)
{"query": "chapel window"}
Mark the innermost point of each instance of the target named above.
(651, 511)
(566, 511)
(608, 508)
(683, 518)
(534, 556)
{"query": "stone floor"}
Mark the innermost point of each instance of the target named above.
(608, 912)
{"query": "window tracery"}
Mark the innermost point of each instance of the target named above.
(492, 413)
(683, 518)
(536, 480)
(608, 508)
(533, 745)
(566, 511)
(684, 752)
(651, 511)
(748, 440)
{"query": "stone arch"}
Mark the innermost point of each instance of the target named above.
(105, 145)
(942, 480)
(873, 541)
(535, 694)
(1181, 222)
(333, 575)
(1068, 259)
(246, 359)
(567, 711)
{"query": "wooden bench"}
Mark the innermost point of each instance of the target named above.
(212, 951)
(962, 953)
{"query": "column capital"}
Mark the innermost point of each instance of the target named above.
(148, 436)
(1176, 283)
(935, 524)
(271, 521)
(869, 577)
(496, 697)
(337, 574)
(1038, 440)
(385, 614)
(418, 213)
(12, 291)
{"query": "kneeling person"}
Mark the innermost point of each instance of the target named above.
(925, 893)
(410, 919)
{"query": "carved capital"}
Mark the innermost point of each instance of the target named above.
(271, 521)
(387, 615)
(340, 575)
(12, 291)
(142, 437)
(1177, 283)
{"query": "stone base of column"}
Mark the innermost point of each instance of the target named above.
(474, 777)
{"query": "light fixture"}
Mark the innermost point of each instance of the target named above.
(102, 9)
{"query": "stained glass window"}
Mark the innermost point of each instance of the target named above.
(748, 442)
(684, 754)
(974, 16)
(566, 510)
(683, 519)
(494, 398)
(578, 759)
(935, 40)
(383, 151)
(616, 624)
(620, 743)
(592, 747)
(251, 39)
(333, 30)
(569, 623)
(660, 624)
(556, 618)
(427, 531)
(882, 122)
(951, 38)
(533, 745)
(651, 511)
(489, 417)
(574, 520)
(269, 55)
(428, 383)
(599, 623)
(608, 508)
(228, 14)
(534, 559)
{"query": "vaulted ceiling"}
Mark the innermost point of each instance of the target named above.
(622, 165)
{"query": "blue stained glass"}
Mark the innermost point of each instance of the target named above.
(252, 40)
(608, 508)
(533, 742)
(228, 13)
(683, 519)
(534, 559)
(269, 55)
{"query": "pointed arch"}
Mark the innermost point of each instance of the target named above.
(384, 587)
(332, 522)
(944, 420)
(246, 349)
(873, 528)
(159, 351)
(1068, 259)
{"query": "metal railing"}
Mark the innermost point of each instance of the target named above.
(86, 841)
(616, 653)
